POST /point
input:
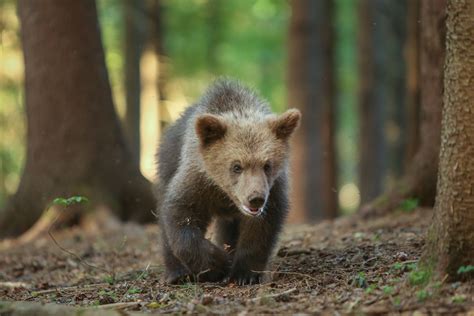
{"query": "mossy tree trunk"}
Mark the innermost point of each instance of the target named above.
(450, 240)
(311, 88)
(75, 144)
(419, 180)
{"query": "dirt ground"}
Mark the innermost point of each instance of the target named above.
(340, 267)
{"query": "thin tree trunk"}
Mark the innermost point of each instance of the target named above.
(419, 180)
(412, 103)
(391, 72)
(381, 93)
(450, 240)
(75, 144)
(370, 174)
(311, 87)
(134, 42)
(157, 39)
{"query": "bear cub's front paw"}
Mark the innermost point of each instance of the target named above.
(218, 265)
(245, 277)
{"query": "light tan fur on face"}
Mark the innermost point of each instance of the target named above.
(252, 141)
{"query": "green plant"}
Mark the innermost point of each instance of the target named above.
(77, 199)
(397, 301)
(411, 266)
(110, 279)
(422, 295)
(397, 266)
(387, 290)
(409, 205)
(108, 293)
(403, 266)
(370, 288)
(134, 290)
(419, 277)
(466, 269)
(360, 280)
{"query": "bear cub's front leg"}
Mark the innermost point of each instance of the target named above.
(189, 256)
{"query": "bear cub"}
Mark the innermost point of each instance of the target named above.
(226, 159)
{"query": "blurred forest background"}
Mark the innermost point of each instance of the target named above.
(161, 55)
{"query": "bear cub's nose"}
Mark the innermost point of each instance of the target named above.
(256, 202)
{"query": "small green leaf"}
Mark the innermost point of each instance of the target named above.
(458, 299)
(134, 291)
(154, 305)
(77, 199)
(60, 201)
(466, 269)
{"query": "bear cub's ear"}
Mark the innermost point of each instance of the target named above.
(209, 128)
(285, 124)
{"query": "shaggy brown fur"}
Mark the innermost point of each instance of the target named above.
(225, 158)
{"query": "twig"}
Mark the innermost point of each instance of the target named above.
(82, 261)
(136, 279)
(67, 288)
(118, 305)
(256, 299)
(289, 273)
(15, 285)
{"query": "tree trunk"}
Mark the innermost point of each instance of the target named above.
(412, 102)
(419, 180)
(157, 40)
(450, 240)
(134, 42)
(311, 87)
(381, 93)
(75, 144)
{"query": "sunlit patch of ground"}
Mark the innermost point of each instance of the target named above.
(343, 266)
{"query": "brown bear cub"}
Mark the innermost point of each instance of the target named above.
(226, 158)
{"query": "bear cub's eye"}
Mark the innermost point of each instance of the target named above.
(267, 167)
(237, 168)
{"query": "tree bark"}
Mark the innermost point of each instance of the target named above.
(75, 144)
(134, 41)
(450, 240)
(419, 181)
(311, 88)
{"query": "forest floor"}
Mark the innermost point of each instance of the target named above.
(340, 267)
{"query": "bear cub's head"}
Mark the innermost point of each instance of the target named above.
(244, 155)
